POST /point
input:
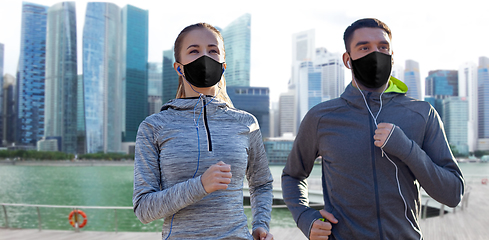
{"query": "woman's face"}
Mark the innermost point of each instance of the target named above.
(200, 42)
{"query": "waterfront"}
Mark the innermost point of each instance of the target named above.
(82, 185)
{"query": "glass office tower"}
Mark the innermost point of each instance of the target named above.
(31, 74)
(255, 100)
(61, 76)
(102, 77)
(237, 41)
(170, 77)
(134, 70)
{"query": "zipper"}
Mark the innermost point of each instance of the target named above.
(206, 126)
(374, 172)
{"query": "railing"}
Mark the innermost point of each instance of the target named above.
(39, 217)
(463, 204)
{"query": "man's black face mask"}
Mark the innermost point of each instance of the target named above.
(372, 70)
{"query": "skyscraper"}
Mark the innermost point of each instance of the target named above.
(441, 84)
(31, 74)
(455, 116)
(303, 50)
(9, 116)
(102, 77)
(170, 77)
(287, 113)
(61, 76)
(134, 70)
(237, 41)
(155, 81)
(483, 103)
(255, 100)
(467, 87)
(332, 73)
(2, 129)
(412, 80)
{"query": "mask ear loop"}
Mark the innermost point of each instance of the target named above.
(384, 154)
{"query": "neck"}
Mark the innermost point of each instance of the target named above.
(361, 87)
(192, 91)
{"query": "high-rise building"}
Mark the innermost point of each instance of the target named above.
(80, 117)
(278, 149)
(332, 73)
(170, 77)
(2, 129)
(413, 80)
(31, 75)
(467, 87)
(483, 103)
(441, 84)
(237, 42)
(61, 76)
(287, 113)
(320, 80)
(9, 116)
(134, 70)
(303, 50)
(155, 81)
(398, 72)
(255, 100)
(102, 77)
(455, 117)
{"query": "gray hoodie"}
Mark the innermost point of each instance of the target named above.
(169, 152)
(360, 186)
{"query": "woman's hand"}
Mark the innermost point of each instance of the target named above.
(216, 177)
(262, 234)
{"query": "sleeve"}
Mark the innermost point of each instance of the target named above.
(149, 200)
(260, 181)
(432, 164)
(298, 167)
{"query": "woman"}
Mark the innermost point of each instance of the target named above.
(191, 158)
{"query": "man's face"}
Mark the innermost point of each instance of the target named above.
(367, 40)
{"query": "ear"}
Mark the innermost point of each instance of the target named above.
(176, 66)
(346, 60)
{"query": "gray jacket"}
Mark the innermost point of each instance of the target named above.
(168, 153)
(359, 183)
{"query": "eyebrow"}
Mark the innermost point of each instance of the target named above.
(196, 45)
(367, 42)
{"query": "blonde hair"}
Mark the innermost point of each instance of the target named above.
(222, 95)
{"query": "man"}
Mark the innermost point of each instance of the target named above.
(378, 147)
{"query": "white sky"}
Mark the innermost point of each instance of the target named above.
(436, 34)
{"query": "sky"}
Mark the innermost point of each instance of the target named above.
(437, 34)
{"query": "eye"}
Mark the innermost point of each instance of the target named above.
(213, 51)
(194, 51)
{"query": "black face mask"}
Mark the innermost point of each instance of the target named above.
(203, 72)
(372, 70)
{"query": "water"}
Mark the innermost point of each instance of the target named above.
(105, 186)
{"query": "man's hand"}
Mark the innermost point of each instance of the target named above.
(262, 234)
(320, 229)
(216, 177)
(381, 133)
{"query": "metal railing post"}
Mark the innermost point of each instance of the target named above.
(442, 210)
(115, 219)
(39, 218)
(425, 209)
(6, 217)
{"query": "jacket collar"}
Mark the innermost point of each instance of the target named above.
(182, 104)
(353, 96)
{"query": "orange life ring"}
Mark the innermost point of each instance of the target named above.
(72, 223)
(484, 181)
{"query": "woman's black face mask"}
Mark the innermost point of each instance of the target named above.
(203, 72)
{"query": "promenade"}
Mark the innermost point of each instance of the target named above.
(471, 223)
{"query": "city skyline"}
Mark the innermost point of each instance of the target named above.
(433, 37)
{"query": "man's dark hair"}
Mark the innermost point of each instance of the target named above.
(363, 23)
